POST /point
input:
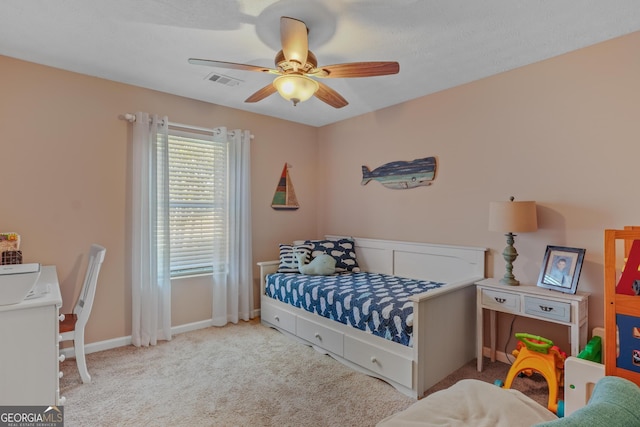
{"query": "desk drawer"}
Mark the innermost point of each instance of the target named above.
(317, 334)
(278, 317)
(549, 309)
(501, 300)
(380, 361)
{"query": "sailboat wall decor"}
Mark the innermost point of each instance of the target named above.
(285, 197)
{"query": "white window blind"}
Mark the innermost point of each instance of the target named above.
(198, 171)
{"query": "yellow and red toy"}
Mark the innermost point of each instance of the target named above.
(537, 354)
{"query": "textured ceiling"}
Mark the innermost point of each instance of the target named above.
(438, 43)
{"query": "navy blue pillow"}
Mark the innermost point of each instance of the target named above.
(341, 250)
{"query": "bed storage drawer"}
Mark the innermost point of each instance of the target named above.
(379, 360)
(549, 309)
(279, 317)
(504, 300)
(320, 335)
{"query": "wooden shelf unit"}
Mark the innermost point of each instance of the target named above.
(621, 307)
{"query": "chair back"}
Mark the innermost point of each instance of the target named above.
(82, 308)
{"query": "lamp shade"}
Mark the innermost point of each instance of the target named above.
(295, 87)
(513, 217)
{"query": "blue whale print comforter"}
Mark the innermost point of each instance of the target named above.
(372, 302)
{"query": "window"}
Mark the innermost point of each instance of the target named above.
(198, 171)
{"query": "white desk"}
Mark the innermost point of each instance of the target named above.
(29, 360)
(534, 302)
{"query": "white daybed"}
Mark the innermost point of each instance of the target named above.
(443, 318)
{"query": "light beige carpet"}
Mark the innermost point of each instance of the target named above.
(238, 375)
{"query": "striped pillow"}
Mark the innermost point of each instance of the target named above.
(288, 260)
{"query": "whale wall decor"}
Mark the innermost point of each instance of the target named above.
(401, 175)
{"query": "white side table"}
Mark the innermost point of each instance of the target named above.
(534, 302)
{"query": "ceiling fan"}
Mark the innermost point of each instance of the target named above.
(296, 64)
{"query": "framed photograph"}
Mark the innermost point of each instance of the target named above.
(561, 269)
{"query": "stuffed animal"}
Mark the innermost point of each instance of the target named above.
(322, 265)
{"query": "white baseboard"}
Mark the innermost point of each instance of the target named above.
(501, 356)
(188, 327)
(123, 341)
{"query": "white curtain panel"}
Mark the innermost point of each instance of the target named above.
(150, 275)
(233, 288)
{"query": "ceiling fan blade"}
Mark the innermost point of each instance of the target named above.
(262, 93)
(356, 69)
(294, 39)
(232, 65)
(330, 96)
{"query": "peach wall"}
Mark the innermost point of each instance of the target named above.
(65, 169)
(563, 132)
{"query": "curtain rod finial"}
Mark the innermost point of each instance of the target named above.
(129, 117)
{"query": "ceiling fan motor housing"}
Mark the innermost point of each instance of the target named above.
(285, 66)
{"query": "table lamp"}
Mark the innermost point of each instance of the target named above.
(512, 217)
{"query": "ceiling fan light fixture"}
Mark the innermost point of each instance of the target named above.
(295, 87)
(295, 64)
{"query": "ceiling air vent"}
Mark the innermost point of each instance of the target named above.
(223, 80)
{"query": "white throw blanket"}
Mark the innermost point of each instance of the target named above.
(472, 403)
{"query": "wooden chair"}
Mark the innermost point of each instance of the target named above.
(73, 324)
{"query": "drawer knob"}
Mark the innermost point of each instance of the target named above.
(61, 358)
(545, 308)
(276, 318)
(500, 300)
(373, 359)
(61, 317)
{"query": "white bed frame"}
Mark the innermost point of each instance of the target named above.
(444, 318)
